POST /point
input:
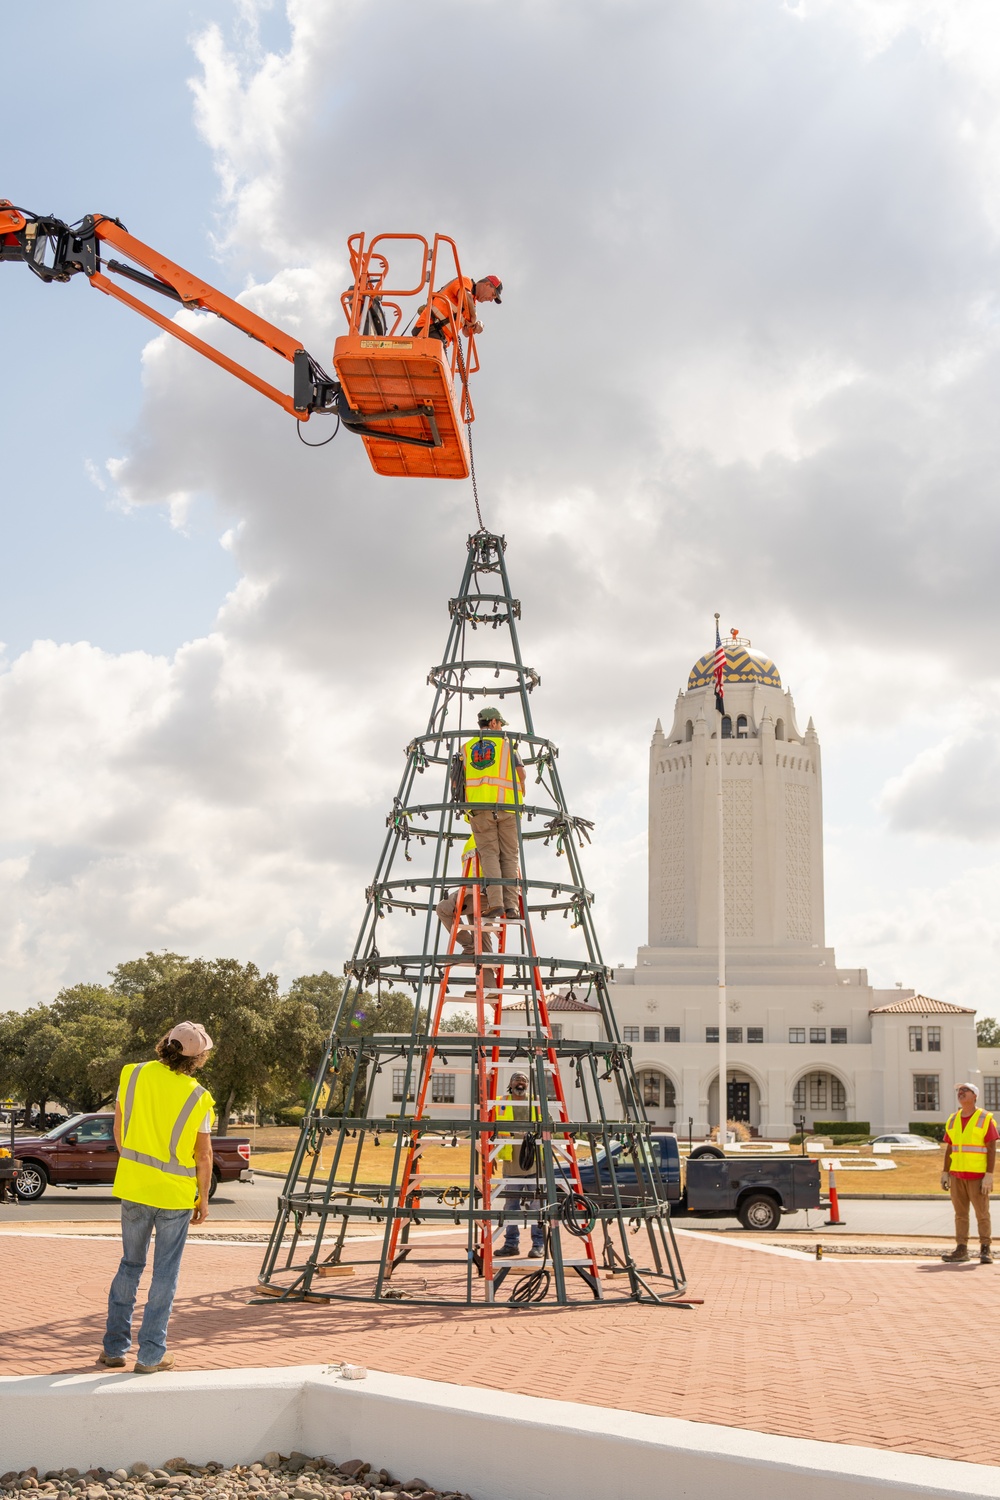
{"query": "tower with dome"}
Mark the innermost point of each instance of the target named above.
(805, 1038)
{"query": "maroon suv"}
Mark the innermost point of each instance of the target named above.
(82, 1150)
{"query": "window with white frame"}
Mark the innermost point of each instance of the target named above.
(838, 1034)
(755, 1033)
(991, 1093)
(799, 1094)
(926, 1091)
(817, 1033)
(442, 1088)
(817, 1090)
(934, 1039)
(711, 1033)
(734, 1033)
(556, 1029)
(916, 1039)
(669, 1094)
(796, 1033)
(671, 1033)
(398, 1084)
(838, 1094)
(651, 1090)
(631, 1033)
(651, 1033)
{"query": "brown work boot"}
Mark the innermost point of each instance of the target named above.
(166, 1363)
(985, 1255)
(960, 1252)
(111, 1361)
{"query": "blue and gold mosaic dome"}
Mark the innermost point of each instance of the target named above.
(742, 665)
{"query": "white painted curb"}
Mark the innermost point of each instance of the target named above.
(496, 1445)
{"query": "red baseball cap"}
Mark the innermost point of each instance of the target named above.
(495, 281)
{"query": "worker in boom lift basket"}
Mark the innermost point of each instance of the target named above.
(457, 299)
(494, 784)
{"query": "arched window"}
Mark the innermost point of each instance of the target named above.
(689, 730)
(741, 727)
(779, 730)
(727, 727)
(651, 1090)
(669, 1093)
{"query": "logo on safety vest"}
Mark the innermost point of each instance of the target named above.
(483, 754)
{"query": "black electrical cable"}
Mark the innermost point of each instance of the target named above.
(578, 1214)
(333, 434)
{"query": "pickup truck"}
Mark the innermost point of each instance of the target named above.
(81, 1151)
(711, 1185)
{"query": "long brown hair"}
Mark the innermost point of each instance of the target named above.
(172, 1055)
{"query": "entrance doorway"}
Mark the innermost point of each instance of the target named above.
(738, 1100)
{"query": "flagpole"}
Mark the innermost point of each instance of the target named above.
(721, 911)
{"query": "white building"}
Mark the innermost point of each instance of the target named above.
(805, 1038)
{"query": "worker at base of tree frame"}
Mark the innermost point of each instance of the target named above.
(494, 779)
(163, 1124)
(457, 299)
(518, 1105)
(465, 937)
(970, 1155)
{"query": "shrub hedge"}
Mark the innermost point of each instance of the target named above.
(923, 1127)
(842, 1127)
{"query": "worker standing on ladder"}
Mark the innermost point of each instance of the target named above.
(465, 937)
(517, 1105)
(458, 299)
(494, 777)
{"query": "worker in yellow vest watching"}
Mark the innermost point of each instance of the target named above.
(163, 1124)
(465, 937)
(969, 1158)
(494, 784)
(520, 1183)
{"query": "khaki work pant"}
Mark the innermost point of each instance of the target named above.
(496, 840)
(465, 937)
(966, 1193)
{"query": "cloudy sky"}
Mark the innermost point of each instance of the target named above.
(748, 359)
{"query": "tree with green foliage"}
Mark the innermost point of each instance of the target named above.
(369, 1015)
(988, 1032)
(262, 1041)
(462, 1020)
(70, 1051)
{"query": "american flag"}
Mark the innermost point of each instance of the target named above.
(719, 669)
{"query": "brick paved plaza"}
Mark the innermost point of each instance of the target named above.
(858, 1351)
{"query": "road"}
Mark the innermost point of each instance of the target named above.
(256, 1202)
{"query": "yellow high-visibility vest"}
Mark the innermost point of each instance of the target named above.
(505, 1111)
(489, 770)
(968, 1142)
(161, 1112)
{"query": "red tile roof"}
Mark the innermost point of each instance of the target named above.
(921, 1005)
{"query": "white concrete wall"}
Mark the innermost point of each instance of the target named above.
(496, 1446)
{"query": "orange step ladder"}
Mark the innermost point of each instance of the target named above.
(560, 1148)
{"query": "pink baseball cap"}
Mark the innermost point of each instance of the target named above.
(194, 1039)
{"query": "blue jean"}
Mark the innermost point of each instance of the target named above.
(138, 1222)
(512, 1236)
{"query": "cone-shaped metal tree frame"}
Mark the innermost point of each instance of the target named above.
(417, 1218)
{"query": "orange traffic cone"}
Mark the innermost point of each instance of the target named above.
(834, 1202)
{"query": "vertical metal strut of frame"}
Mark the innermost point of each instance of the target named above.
(417, 1174)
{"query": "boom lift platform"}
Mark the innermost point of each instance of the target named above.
(406, 394)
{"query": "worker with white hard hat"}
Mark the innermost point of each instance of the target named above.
(970, 1155)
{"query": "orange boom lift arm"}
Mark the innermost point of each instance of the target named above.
(406, 396)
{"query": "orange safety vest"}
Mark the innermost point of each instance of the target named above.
(455, 298)
(489, 770)
(968, 1142)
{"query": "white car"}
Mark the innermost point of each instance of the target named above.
(906, 1142)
